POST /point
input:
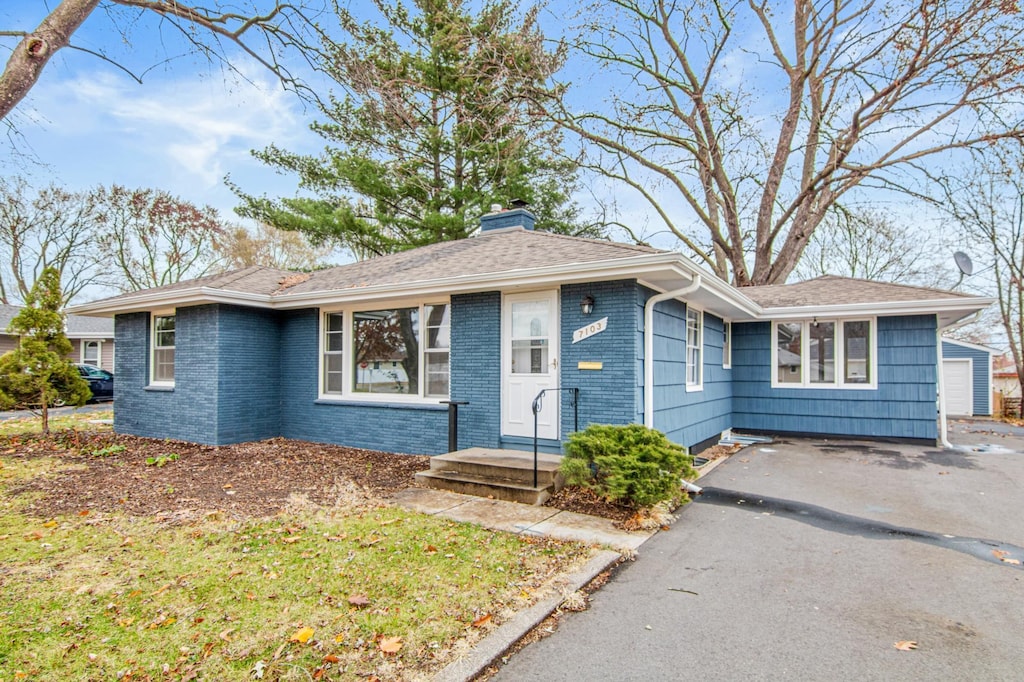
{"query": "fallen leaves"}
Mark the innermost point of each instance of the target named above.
(1005, 557)
(302, 635)
(905, 645)
(390, 645)
(359, 600)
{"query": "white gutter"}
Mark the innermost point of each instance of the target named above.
(943, 438)
(649, 343)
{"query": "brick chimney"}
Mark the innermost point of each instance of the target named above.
(503, 219)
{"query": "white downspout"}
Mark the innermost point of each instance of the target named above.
(943, 438)
(649, 344)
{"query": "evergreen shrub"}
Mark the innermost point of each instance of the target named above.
(628, 464)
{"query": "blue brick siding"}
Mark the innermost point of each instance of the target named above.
(394, 427)
(608, 395)
(981, 378)
(476, 367)
(189, 411)
(248, 380)
(902, 406)
(687, 418)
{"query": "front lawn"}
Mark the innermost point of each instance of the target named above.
(197, 577)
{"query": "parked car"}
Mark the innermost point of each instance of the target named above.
(101, 382)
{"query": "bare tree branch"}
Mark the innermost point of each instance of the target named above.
(265, 37)
(833, 95)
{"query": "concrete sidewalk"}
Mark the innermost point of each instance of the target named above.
(512, 517)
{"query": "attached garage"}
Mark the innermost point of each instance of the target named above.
(967, 378)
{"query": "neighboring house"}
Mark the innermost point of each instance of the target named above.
(967, 378)
(92, 338)
(1007, 382)
(645, 335)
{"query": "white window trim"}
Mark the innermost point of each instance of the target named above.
(699, 384)
(152, 345)
(726, 344)
(99, 352)
(838, 357)
(348, 394)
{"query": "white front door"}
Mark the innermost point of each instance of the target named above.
(529, 338)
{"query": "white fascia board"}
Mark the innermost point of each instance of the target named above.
(96, 335)
(926, 307)
(169, 299)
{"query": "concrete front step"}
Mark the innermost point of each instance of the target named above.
(483, 486)
(512, 465)
(499, 474)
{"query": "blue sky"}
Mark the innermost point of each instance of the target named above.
(191, 123)
(188, 125)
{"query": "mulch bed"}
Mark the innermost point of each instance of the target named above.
(246, 480)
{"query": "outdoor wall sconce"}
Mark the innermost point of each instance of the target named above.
(587, 305)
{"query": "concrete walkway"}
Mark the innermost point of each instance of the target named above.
(522, 519)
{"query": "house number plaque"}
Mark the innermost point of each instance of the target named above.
(595, 327)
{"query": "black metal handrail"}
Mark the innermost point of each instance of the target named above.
(537, 405)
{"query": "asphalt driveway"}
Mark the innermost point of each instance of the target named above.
(803, 563)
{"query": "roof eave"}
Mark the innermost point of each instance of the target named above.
(922, 307)
(164, 299)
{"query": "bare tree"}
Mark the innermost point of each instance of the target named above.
(270, 247)
(263, 35)
(872, 244)
(150, 238)
(988, 202)
(743, 122)
(51, 228)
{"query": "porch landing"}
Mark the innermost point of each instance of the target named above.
(495, 473)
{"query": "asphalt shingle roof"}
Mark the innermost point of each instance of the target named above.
(503, 251)
(483, 254)
(76, 324)
(834, 290)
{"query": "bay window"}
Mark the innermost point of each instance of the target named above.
(823, 353)
(399, 351)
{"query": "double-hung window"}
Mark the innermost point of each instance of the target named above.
(694, 348)
(399, 351)
(162, 371)
(823, 354)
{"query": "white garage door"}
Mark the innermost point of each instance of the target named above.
(958, 386)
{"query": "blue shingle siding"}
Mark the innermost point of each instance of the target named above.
(687, 418)
(476, 367)
(608, 395)
(394, 427)
(981, 378)
(902, 406)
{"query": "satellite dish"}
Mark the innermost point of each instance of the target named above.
(963, 261)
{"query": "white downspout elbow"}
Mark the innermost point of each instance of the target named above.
(649, 343)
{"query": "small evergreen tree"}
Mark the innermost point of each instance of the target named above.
(37, 374)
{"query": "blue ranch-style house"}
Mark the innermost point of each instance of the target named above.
(367, 354)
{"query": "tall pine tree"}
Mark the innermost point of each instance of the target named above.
(435, 126)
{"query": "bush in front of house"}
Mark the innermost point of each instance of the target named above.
(628, 464)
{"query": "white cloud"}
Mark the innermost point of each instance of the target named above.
(180, 133)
